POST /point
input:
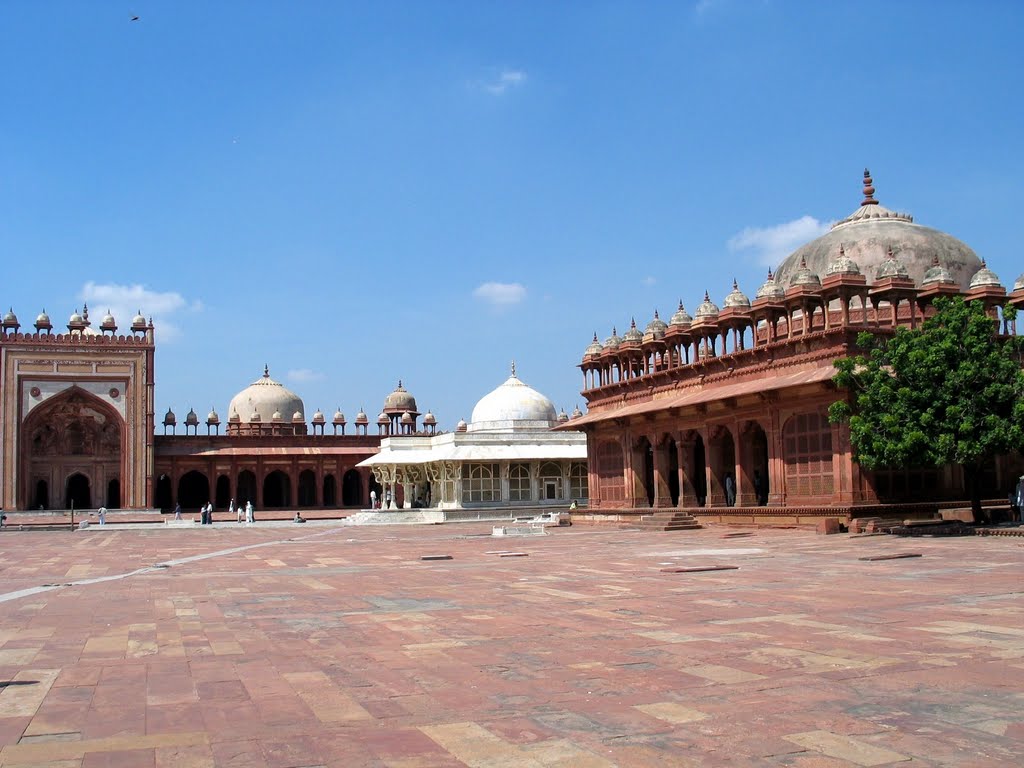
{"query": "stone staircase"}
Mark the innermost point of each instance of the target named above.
(669, 520)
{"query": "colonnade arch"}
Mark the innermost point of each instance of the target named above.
(276, 489)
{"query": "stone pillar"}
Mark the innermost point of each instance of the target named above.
(776, 463)
(687, 492)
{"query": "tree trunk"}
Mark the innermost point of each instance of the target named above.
(972, 479)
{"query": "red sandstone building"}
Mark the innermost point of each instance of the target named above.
(78, 424)
(724, 413)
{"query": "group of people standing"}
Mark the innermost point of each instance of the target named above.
(244, 512)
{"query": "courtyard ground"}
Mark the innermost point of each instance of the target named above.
(327, 645)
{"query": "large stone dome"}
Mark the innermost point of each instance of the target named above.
(264, 397)
(866, 237)
(512, 407)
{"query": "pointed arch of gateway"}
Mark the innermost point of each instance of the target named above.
(72, 445)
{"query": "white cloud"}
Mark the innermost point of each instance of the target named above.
(124, 301)
(500, 294)
(770, 245)
(305, 374)
(506, 79)
(649, 280)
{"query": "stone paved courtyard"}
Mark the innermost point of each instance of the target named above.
(325, 645)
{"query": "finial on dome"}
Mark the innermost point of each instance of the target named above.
(706, 296)
(656, 315)
(735, 285)
(869, 190)
(266, 371)
(514, 365)
(85, 312)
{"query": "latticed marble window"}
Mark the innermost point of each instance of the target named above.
(807, 448)
(519, 482)
(480, 482)
(578, 486)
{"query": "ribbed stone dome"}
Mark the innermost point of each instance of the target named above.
(512, 407)
(984, 277)
(1018, 284)
(633, 335)
(707, 308)
(400, 400)
(770, 288)
(681, 318)
(594, 348)
(842, 264)
(868, 234)
(937, 274)
(736, 298)
(265, 398)
(805, 276)
(656, 327)
(613, 341)
(892, 267)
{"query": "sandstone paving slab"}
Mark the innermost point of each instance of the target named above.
(261, 647)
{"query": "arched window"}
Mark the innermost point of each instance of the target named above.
(578, 485)
(551, 486)
(807, 449)
(480, 482)
(519, 482)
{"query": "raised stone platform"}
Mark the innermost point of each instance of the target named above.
(397, 517)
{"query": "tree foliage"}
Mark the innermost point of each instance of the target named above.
(951, 392)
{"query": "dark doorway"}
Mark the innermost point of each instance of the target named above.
(114, 494)
(307, 488)
(42, 498)
(164, 497)
(330, 491)
(223, 495)
(759, 475)
(78, 494)
(246, 488)
(700, 476)
(352, 489)
(193, 490)
(647, 452)
(672, 459)
(276, 489)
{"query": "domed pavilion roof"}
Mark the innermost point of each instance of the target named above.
(400, 401)
(264, 398)
(867, 235)
(513, 407)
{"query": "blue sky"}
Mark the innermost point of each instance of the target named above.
(355, 194)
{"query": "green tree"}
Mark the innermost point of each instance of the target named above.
(951, 392)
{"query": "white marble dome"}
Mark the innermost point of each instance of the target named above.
(264, 399)
(512, 407)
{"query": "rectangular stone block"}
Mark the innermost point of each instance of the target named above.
(828, 526)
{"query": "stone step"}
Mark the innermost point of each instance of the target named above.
(670, 521)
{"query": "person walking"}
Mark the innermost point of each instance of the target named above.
(250, 516)
(177, 511)
(102, 513)
(373, 498)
